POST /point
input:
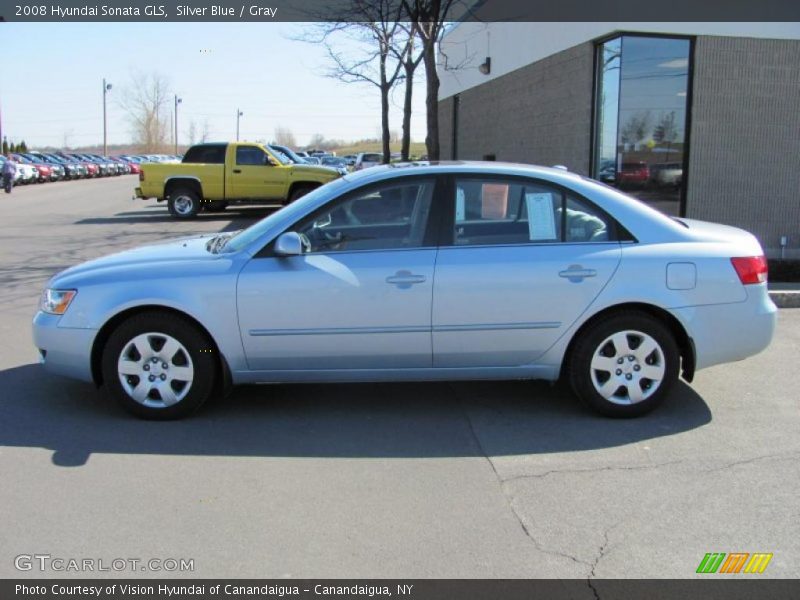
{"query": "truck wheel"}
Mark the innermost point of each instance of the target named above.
(299, 191)
(183, 203)
(216, 206)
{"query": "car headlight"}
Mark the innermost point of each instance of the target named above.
(56, 302)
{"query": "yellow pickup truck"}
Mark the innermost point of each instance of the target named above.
(212, 176)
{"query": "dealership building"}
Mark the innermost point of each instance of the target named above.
(700, 120)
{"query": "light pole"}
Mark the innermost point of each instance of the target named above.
(238, 115)
(106, 89)
(177, 101)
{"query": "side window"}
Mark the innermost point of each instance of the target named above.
(250, 156)
(584, 223)
(383, 217)
(496, 212)
(491, 212)
(207, 154)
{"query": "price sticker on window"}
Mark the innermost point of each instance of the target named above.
(541, 217)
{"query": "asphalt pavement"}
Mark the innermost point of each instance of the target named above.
(510, 480)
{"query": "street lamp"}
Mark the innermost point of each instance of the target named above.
(177, 101)
(106, 89)
(238, 115)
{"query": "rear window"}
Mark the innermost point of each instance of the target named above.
(207, 153)
(372, 158)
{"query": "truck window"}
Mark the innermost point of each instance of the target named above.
(251, 155)
(206, 154)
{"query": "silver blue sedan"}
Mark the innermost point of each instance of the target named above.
(418, 272)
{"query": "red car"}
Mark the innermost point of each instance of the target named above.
(634, 173)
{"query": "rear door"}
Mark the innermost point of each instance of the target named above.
(520, 261)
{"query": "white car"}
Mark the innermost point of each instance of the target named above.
(366, 160)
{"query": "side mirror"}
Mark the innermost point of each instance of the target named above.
(289, 244)
(271, 162)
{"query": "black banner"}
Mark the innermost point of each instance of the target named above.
(336, 10)
(713, 588)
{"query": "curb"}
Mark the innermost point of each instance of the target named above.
(786, 299)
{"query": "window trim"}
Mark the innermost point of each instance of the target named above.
(596, 76)
(447, 229)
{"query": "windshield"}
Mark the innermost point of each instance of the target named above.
(280, 156)
(295, 210)
(290, 153)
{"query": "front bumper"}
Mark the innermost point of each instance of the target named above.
(63, 350)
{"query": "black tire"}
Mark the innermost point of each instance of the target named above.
(215, 206)
(594, 343)
(300, 191)
(183, 203)
(195, 352)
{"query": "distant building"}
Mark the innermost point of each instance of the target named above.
(699, 119)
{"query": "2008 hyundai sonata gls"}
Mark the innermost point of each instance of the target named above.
(419, 272)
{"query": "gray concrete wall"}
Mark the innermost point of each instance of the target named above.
(538, 114)
(744, 161)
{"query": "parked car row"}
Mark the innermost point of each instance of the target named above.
(41, 167)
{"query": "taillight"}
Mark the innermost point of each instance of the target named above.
(141, 174)
(751, 269)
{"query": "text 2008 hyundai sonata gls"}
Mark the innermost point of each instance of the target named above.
(419, 272)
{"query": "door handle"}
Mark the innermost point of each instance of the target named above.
(576, 273)
(405, 279)
(237, 170)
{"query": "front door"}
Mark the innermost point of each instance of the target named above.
(253, 177)
(358, 298)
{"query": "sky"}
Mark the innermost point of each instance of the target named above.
(51, 82)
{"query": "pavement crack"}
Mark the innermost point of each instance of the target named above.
(747, 461)
(591, 470)
(593, 567)
(508, 499)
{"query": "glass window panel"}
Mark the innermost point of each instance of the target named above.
(649, 114)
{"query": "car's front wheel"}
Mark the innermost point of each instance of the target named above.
(159, 366)
(625, 365)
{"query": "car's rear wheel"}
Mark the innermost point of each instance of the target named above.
(625, 365)
(159, 366)
(183, 203)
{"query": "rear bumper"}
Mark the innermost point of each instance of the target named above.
(63, 350)
(729, 332)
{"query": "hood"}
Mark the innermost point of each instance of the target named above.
(190, 249)
(315, 169)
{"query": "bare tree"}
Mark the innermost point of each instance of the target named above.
(192, 133)
(370, 26)
(428, 18)
(146, 101)
(635, 128)
(406, 51)
(316, 142)
(204, 133)
(285, 137)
